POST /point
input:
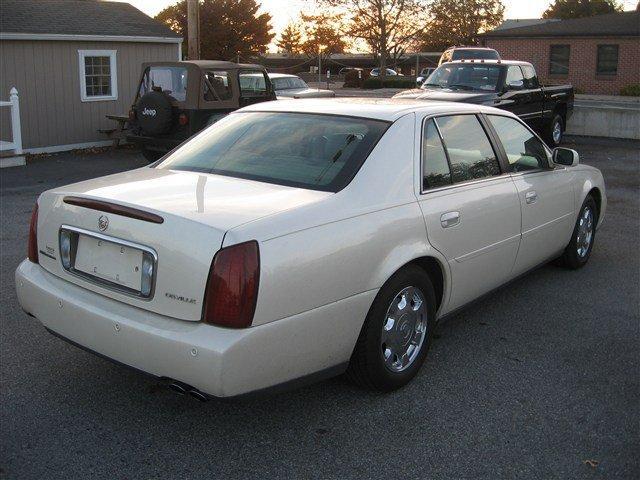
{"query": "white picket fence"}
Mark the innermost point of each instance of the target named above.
(16, 133)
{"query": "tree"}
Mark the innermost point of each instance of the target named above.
(388, 27)
(459, 22)
(580, 8)
(228, 28)
(322, 35)
(290, 39)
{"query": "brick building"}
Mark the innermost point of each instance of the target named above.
(598, 55)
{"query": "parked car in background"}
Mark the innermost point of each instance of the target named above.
(505, 84)
(468, 53)
(345, 70)
(423, 75)
(375, 72)
(285, 245)
(175, 100)
(292, 86)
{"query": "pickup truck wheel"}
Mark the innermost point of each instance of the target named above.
(397, 332)
(577, 253)
(556, 131)
(151, 155)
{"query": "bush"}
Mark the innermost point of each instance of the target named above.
(389, 82)
(631, 90)
(353, 80)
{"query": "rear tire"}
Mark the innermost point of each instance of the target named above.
(151, 155)
(385, 343)
(555, 131)
(577, 253)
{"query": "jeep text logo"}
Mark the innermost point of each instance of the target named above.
(149, 111)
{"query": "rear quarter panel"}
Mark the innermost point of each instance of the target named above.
(347, 244)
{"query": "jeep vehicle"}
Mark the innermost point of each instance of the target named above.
(175, 100)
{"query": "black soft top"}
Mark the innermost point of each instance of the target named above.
(206, 64)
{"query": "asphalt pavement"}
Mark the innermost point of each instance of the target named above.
(539, 380)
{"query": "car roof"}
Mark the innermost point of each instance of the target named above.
(461, 47)
(387, 109)
(282, 75)
(487, 61)
(204, 64)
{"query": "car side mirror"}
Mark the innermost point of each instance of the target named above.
(516, 85)
(565, 156)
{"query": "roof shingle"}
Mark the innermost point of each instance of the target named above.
(78, 17)
(623, 24)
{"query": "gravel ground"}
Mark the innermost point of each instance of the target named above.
(532, 382)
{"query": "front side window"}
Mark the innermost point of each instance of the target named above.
(530, 77)
(559, 59)
(216, 86)
(318, 152)
(524, 150)
(514, 75)
(98, 76)
(435, 167)
(169, 80)
(253, 84)
(607, 59)
(468, 149)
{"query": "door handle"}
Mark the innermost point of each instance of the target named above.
(531, 197)
(449, 219)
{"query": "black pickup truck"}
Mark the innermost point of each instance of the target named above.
(505, 84)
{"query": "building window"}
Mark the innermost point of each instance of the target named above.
(559, 59)
(607, 60)
(98, 75)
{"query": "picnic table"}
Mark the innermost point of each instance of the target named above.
(117, 133)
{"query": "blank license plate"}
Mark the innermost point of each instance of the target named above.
(109, 261)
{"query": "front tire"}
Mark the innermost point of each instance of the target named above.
(577, 253)
(397, 332)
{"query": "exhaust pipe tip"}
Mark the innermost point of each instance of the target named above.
(177, 388)
(198, 395)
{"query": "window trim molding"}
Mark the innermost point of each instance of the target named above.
(112, 54)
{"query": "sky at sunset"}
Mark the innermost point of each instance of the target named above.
(283, 11)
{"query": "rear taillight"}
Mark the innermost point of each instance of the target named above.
(132, 115)
(183, 119)
(32, 250)
(232, 288)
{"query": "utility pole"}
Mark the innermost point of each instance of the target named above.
(193, 29)
(417, 65)
(319, 65)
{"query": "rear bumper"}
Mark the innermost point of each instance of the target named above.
(218, 361)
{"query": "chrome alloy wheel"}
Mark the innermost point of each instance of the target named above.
(404, 329)
(557, 132)
(585, 232)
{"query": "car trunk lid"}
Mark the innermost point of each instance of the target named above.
(176, 220)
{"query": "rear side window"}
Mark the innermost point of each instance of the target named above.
(216, 86)
(468, 149)
(319, 152)
(436, 171)
(524, 150)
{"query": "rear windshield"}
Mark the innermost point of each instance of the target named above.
(288, 83)
(470, 54)
(170, 80)
(319, 152)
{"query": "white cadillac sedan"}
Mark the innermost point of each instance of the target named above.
(296, 240)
